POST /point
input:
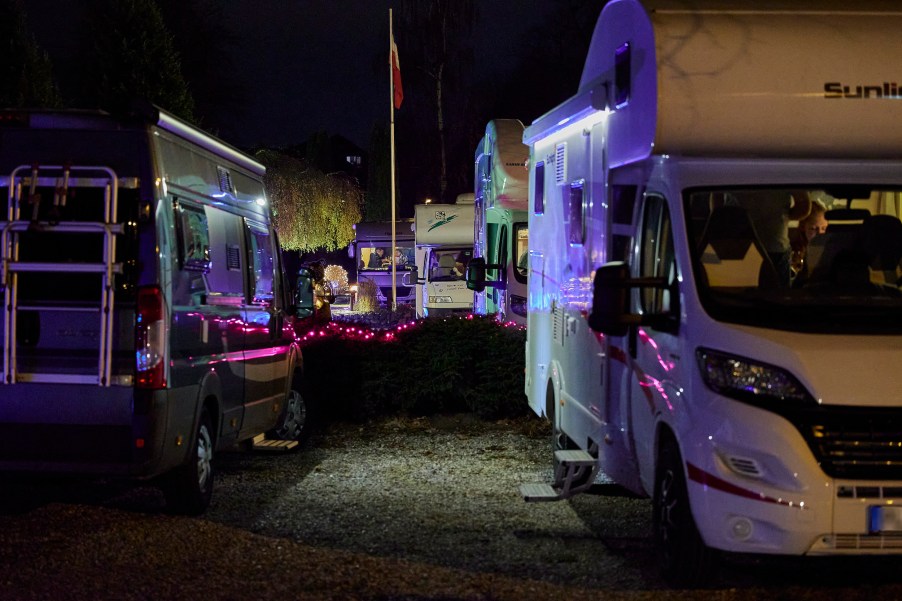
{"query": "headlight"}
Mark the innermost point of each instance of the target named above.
(518, 305)
(749, 381)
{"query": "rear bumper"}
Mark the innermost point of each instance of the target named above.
(83, 430)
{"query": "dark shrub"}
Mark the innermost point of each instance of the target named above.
(438, 366)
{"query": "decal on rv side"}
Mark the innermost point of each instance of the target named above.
(835, 89)
(441, 220)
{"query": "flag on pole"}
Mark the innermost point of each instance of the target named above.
(396, 74)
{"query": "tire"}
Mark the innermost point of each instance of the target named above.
(188, 489)
(684, 557)
(296, 421)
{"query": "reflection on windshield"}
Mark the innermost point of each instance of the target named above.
(829, 248)
(378, 258)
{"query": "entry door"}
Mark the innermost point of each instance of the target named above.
(655, 351)
(265, 351)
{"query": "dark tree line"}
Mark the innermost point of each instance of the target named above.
(175, 53)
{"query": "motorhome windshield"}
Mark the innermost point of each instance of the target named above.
(379, 258)
(805, 259)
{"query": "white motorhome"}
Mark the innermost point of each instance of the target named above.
(372, 247)
(761, 412)
(147, 322)
(444, 246)
(499, 274)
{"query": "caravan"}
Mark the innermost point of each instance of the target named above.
(499, 270)
(444, 246)
(671, 339)
(147, 321)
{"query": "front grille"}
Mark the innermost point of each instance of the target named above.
(863, 542)
(858, 443)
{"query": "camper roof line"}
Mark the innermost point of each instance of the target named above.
(173, 124)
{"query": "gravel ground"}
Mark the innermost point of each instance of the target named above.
(399, 509)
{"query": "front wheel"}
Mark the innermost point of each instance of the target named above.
(188, 489)
(296, 420)
(685, 559)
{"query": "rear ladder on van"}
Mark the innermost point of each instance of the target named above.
(27, 223)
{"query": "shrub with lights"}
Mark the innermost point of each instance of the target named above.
(469, 364)
(337, 277)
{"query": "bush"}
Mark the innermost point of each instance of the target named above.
(367, 301)
(440, 366)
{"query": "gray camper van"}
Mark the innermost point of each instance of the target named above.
(146, 318)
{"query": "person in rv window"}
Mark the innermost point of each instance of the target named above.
(809, 228)
(377, 258)
(770, 212)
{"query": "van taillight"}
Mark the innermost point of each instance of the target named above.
(150, 332)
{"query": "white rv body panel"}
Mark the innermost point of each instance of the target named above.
(782, 399)
(501, 228)
(444, 245)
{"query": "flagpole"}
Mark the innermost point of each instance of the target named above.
(391, 106)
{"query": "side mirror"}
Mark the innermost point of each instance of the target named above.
(411, 277)
(304, 296)
(476, 274)
(609, 299)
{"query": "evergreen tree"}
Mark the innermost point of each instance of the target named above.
(436, 36)
(134, 56)
(378, 187)
(26, 78)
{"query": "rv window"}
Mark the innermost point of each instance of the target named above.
(622, 78)
(262, 264)
(193, 238)
(575, 209)
(226, 235)
(539, 189)
(657, 259)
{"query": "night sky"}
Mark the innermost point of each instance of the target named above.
(295, 67)
(311, 65)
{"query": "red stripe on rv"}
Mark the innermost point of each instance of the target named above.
(696, 474)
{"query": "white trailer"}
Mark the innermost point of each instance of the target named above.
(443, 235)
(499, 274)
(760, 412)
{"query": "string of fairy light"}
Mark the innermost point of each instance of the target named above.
(352, 331)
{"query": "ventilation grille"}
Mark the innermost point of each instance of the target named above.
(225, 179)
(558, 324)
(745, 466)
(560, 163)
(233, 258)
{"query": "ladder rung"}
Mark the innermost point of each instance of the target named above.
(21, 267)
(65, 227)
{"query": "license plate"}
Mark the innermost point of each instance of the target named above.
(883, 518)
